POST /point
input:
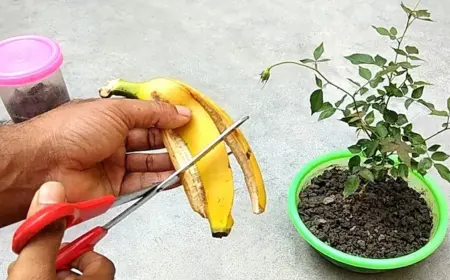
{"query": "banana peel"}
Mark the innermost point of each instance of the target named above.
(209, 184)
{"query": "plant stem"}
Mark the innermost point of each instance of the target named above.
(442, 130)
(328, 81)
(399, 43)
(312, 68)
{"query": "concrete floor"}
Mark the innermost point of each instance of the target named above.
(220, 47)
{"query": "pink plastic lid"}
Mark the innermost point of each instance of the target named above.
(28, 59)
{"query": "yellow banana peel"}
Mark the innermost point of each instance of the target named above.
(209, 184)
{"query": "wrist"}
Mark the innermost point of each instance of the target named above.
(22, 169)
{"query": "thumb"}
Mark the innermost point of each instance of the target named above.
(39, 255)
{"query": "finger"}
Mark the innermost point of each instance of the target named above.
(93, 266)
(140, 139)
(39, 255)
(137, 180)
(145, 114)
(148, 162)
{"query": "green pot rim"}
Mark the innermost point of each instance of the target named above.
(368, 263)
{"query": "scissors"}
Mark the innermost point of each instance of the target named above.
(76, 213)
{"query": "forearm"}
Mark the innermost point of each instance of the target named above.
(20, 177)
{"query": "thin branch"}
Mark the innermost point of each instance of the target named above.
(399, 42)
(447, 127)
(329, 82)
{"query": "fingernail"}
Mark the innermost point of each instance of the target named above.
(184, 111)
(50, 193)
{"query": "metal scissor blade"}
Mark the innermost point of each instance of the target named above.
(122, 199)
(173, 178)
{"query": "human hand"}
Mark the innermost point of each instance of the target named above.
(37, 259)
(83, 145)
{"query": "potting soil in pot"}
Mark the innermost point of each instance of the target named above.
(388, 219)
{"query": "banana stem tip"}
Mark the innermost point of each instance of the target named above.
(106, 91)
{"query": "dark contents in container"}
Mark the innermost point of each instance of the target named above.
(24, 105)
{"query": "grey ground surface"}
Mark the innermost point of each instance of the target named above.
(220, 47)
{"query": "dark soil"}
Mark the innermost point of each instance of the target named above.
(24, 105)
(388, 219)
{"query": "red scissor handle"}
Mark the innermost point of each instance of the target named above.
(74, 213)
(79, 246)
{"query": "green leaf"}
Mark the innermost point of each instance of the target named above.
(443, 171)
(363, 90)
(439, 156)
(371, 148)
(393, 31)
(376, 81)
(423, 13)
(316, 101)
(395, 132)
(370, 117)
(354, 163)
(417, 92)
(355, 149)
(425, 164)
(404, 89)
(323, 60)
(367, 174)
(434, 148)
(382, 31)
(390, 116)
(365, 73)
(327, 113)
(402, 119)
(426, 104)
(408, 128)
(400, 52)
(409, 78)
(380, 61)
(421, 83)
(357, 104)
(415, 138)
(406, 9)
(381, 92)
(439, 113)
(448, 103)
(339, 103)
(392, 90)
(425, 19)
(394, 172)
(318, 81)
(379, 107)
(307, 60)
(407, 65)
(359, 58)
(408, 102)
(412, 50)
(412, 57)
(381, 130)
(318, 51)
(403, 170)
(351, 185)
(371, 98)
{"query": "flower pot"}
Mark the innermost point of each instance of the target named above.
(430, 191)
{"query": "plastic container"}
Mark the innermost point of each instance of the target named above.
(431, 192)
(31, 82)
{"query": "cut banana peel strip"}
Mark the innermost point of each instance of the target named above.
(209, 183)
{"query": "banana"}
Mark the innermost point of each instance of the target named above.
(209, 183)
(238, 146)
